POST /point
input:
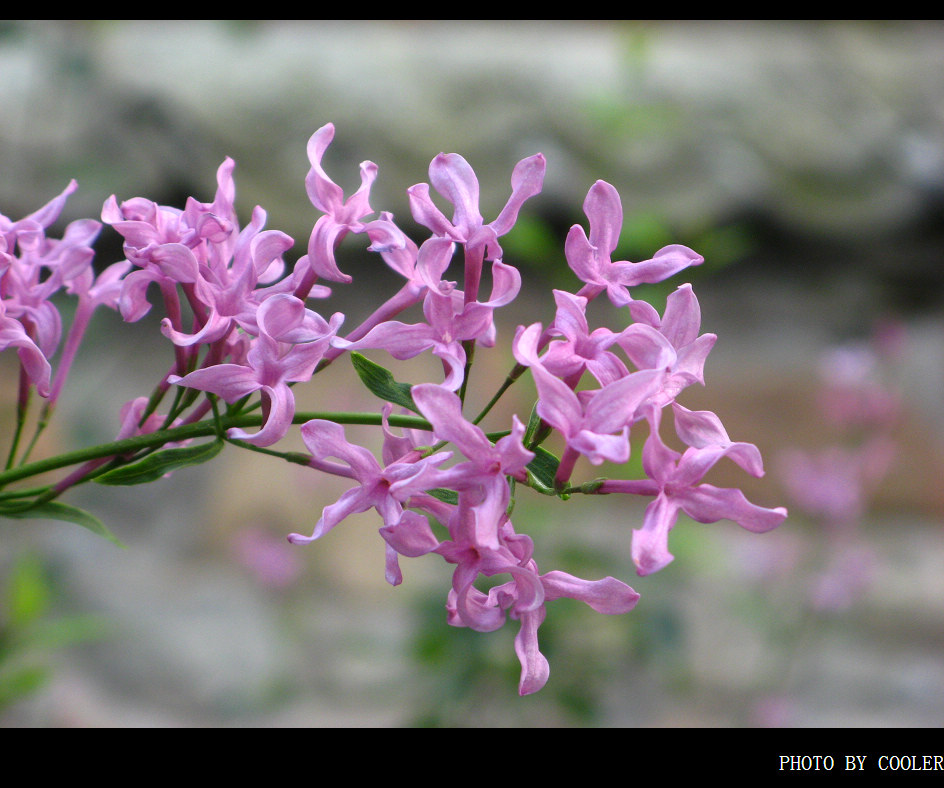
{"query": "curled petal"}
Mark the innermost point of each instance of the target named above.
(581, 256)
(325, 236)
(453, 177)
(605, 212)
(667, 261)
(229, 381)
(444, 411)
(535, 669)
(650, 547)
(614, 406)
(525, 344)
(324, 193)
(682, 317)
(526, 181)
(647, 348)
(557, 403)
(37, 367)
(327, 439)
(358, 204)
(506, 283)
(475, 610)
(281, 411)
(608, 595)
(411, 536)
(427, 214)
(699, 428)
(598, 448)
(432, 260)
(216, 327)
(48, 214)
(708, 504)
(351, 502)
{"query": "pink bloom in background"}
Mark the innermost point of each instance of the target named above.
(835, 485)
(271, 561)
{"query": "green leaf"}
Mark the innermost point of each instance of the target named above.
(446, 496)
(27, 593)
(381, 383)
(542, 469)
(56, 510)
(18, 684)
(154, 466)
(534, 424)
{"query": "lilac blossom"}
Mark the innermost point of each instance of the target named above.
(239, 324)
(671, 344)
(291, 342)
(483, 477)
(33, 268)
(673, 479)
(580, 349)
(169, 245)
(228, 292)
(449, 322)
(381, 488)
(340, 216)
(523, 598)
(590, 257)
(453, 177)
(587, 420)
(33, 361)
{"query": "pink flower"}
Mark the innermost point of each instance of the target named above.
(382, 488)
(580, 349)
(671, 344)
(291, 342)
(590, 257)
(340, 216)
(673, 480)
(453, 177)
(482, 480)
(32, 359)
(273, 563)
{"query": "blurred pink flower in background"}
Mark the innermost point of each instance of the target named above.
(835, 485)
(268, 557)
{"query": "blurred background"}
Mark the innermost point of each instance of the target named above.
(805, 161)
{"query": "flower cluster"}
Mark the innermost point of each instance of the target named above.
(243, 330)
(835, 484)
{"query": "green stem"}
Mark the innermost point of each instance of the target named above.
(22, 407)
(199, 429)
(512, 377)
(469, 346)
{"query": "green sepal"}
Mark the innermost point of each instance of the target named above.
(56, 510)
(537, 431)
(381, 383)
(542, 470)
(444, 495)
(156, 465)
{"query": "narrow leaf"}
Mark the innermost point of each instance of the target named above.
(381, 383)
(56, 510)
(156, 465)
(446, 496)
